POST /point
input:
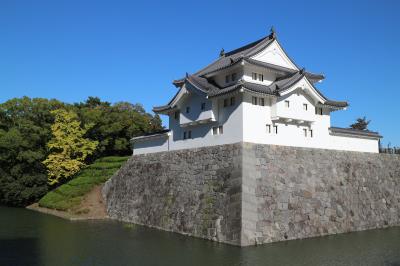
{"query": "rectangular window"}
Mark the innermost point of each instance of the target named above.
(269, 129)
(189, 134)
(226, 102)
(254, 76)
(311, 133)
(184, 135)
(188, 109)
(203, 106)
(220, 130)
(227, 79)
(318, 110)
(287, 104)
(305, 132)
(215, 130)
(254, 100)
(262, 101)
(233, 77)
(232, 101)
(305, 106)
(260, 77)
(176, 115)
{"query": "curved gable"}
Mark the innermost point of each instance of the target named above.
(308, 88)
(274, 54)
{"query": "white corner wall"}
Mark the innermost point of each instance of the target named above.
(151, 145)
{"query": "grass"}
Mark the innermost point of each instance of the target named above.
(69, 195)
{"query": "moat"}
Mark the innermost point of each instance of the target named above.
(30, 238)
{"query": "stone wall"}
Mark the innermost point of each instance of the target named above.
(300, 192)
(247, 194)
(195, 192)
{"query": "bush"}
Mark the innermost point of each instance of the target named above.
(69, 195)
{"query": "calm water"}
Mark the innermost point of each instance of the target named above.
(30, 238)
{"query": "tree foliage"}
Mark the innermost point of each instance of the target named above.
(25, 130)
(115, 125)
(68, 148)
(361, 124)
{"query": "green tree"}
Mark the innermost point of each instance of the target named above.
(115, 125)
(68, 148)
(361, 124)
(24, 131)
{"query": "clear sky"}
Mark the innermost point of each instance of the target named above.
(132, 50)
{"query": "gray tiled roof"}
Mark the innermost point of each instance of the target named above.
(351, 131)
(200, 83)
(231, 58)
(286, 82)
(149, 135)
(166, 107)
(289, 76)
(284, 70)
(341, 104)
(275, 88)
(272, 89)
(244, 53)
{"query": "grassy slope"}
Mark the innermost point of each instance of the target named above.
(69, 195)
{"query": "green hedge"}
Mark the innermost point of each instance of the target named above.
(69, 195)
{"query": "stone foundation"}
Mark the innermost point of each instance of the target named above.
(247, 194)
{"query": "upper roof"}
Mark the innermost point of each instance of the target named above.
(245, 53)
(287, 76)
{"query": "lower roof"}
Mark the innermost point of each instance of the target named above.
(275, 88)
(146, 136)
(354, 132)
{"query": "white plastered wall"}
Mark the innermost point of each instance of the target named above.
(274, 54)
(291, 133)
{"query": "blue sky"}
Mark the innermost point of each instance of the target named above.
(132, 50)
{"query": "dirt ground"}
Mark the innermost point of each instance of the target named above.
(92, 207)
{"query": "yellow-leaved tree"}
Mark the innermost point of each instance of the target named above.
(68, 147)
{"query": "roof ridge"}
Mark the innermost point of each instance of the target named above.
(245, 47)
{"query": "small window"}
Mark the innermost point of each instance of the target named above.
(269, 129)
(262, 101)
(215, 130)
(254, 100)
(318, 110)
(203, 106)
(189, 134)
(226, 102)
(184, 135)
(232, 101)
(305, 132)
(276, 129)
(260, 77)
(287, 104)
(311, 133)
(188, 109)
(233, 76)
(221, 130)
(305, 106)
(227, 79)
(254, 76)
(176, 115)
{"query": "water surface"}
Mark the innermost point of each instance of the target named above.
(30, 238)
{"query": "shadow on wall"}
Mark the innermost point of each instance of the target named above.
(194, 102)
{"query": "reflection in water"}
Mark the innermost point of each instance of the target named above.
(30, 238)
